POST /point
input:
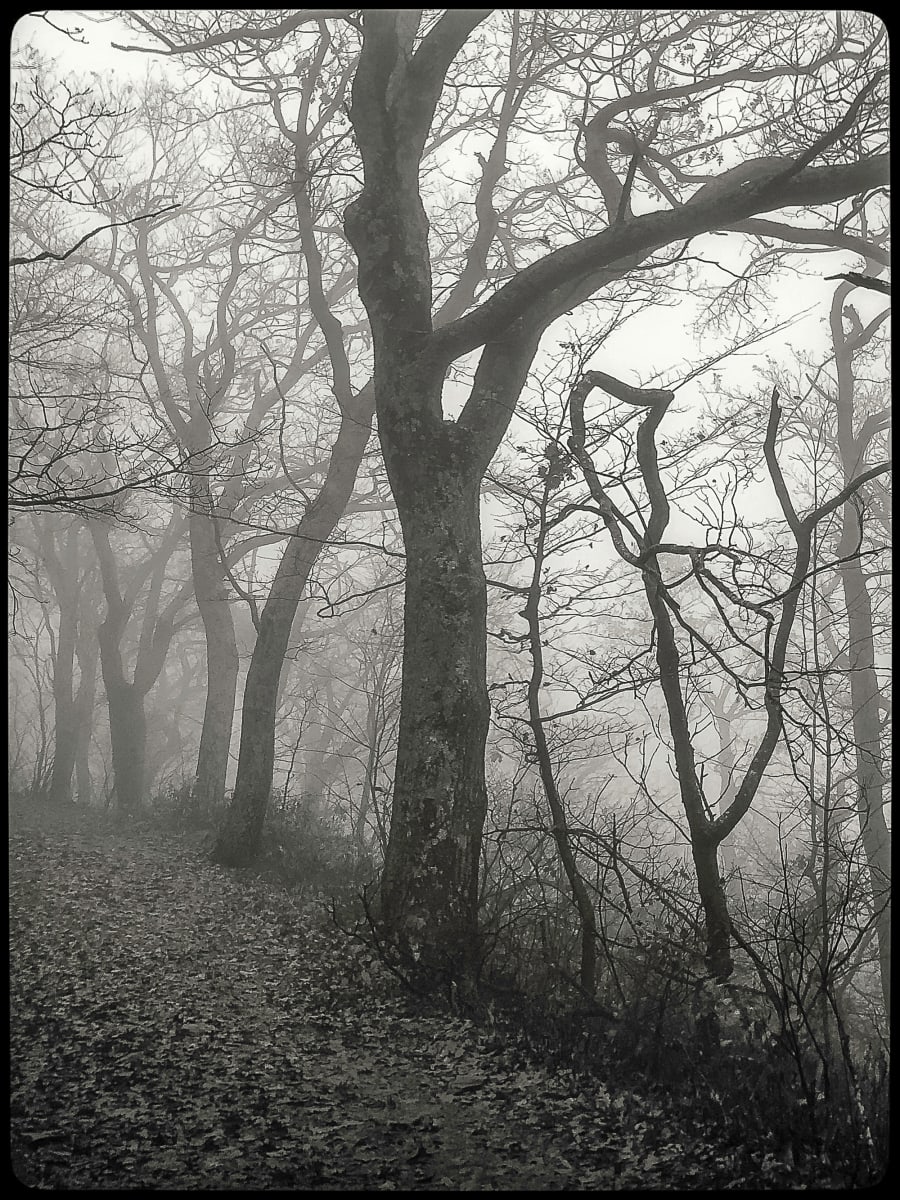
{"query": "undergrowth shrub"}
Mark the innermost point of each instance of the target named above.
(713, 1053)
(177, 806)
(310, 848)
(304, 844)
(747, 1060)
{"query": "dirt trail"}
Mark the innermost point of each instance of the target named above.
(177, 1025)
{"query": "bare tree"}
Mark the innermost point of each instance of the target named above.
(436, 466)
(706, 830)
(125, 696)
(68, 450)
(74, 587)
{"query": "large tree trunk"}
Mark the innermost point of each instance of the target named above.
(128, 734)
(221, 664)
(127, 729)
(428, 892)
(127, 720)
(428, 898)
(430, 881)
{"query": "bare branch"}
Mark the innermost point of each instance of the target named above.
(864, 281)
(18, 262)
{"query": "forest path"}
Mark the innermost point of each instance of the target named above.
(176, 1025)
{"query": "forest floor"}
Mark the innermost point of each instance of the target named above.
(177, 1025)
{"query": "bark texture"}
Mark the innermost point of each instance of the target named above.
(430, 881)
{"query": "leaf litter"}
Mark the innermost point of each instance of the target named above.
(176, 1025)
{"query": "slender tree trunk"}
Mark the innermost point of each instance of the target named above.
(864, 695)
(704, 846)
(239, 838)
(88, 650)
(65, 739)
(376, 722)
(706, 831)
(429, 888)
(323, 767)
(221, 664)
(581, 896)
(723, 715)
(62, 563)
(714, 900)
(84, 784)
(586, 915)
(367, 797)
(864, 686)
(323, 761)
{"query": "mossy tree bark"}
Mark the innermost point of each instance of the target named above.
(430, 881)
